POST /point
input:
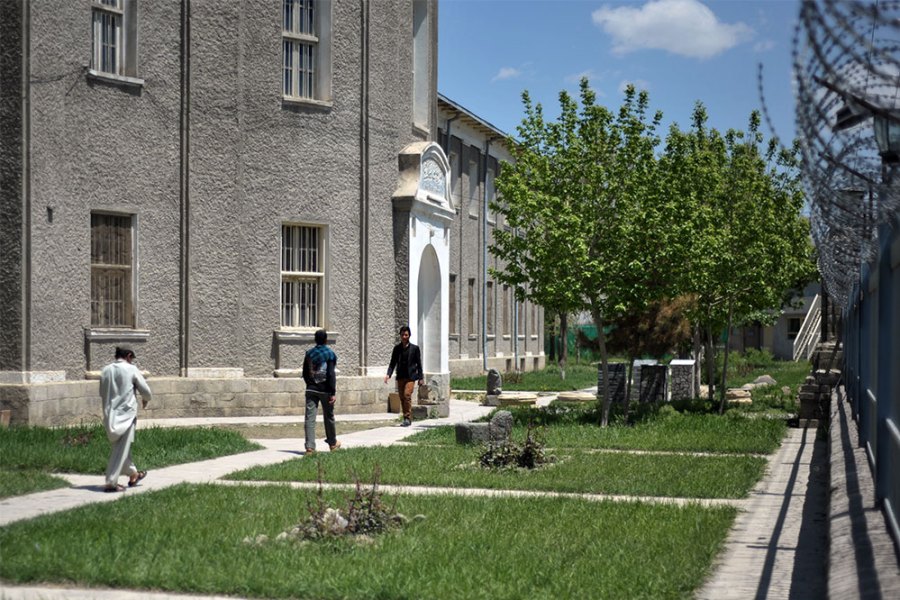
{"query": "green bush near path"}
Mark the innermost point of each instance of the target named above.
(577, 471)
(188, 539)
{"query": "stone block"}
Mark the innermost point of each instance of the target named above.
(497, 431)
(394, 402)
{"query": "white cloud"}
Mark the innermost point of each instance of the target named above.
(685, 27)
(506, 73)
(639, 84)
(763, 46)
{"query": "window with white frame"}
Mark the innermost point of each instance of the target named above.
(112, 268)
(302, 276)
(306, 54)
(114, 37)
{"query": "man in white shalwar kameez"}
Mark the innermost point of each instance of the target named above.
(118, 382)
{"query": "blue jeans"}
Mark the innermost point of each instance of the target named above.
(312, 407)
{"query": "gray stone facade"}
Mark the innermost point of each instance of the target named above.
(209, 159)
(488, 329)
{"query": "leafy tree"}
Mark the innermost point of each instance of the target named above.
(746, 240)
(588, 222)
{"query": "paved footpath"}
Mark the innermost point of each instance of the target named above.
(777, 546)
(785, 513)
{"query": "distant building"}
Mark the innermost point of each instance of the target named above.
(211, 182)
(486, 319)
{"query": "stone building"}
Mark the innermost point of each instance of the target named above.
(488, 327)
(209, 183)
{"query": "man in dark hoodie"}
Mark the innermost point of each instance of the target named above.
(318, 373)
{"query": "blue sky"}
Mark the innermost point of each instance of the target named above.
(680, 51)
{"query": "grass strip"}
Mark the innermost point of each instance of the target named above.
(188, 539)
(15, 482)
(578, 377)
(576, 472)
(85, 449)
(671, 432)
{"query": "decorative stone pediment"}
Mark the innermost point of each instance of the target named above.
(424, 182)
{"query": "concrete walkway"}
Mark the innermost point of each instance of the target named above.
(776, 546)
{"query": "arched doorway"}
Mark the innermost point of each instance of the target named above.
(429, 330)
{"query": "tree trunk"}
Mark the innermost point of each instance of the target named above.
(697, 356)
(710, 364)
(629, 374)
(564, 347)
(553, 340)
(722, 392)
(604, 368)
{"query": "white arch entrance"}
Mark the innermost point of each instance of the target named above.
(422, 218)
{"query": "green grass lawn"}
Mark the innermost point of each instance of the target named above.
(578, 377)
(577, 471)
(15, 482)
(671, 431)
(86, 449)
(28, 454)
(189, 539)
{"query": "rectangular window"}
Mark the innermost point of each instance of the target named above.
(112, 265)
(491, 190)
(114, 37)
(505, 301)
(474, 198)
(471, 305)
(490, 308)
(302, 276)
(534, 321)
(299, 46)
(793, 330)
(453, 323)
(520, 319)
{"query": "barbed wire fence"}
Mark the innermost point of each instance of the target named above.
(847, 74)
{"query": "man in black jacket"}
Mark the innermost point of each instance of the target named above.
(407, 359)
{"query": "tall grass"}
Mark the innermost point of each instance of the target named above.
(577, 471)
(85, 449)
(670, 431)
(189, 539)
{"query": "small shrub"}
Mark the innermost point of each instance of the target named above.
(365, 514)
(506, 455)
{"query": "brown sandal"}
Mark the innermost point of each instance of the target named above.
(137, 477)
(117, 488)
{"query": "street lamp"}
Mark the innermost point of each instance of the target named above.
(887, 135)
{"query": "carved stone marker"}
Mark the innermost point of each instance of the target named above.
(652, 388)
(636, 374)
(681, 379)
(498, 430)
(617, 372)
(494, 383)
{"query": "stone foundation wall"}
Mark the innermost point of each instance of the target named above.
(466, 367)
(74, 402)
